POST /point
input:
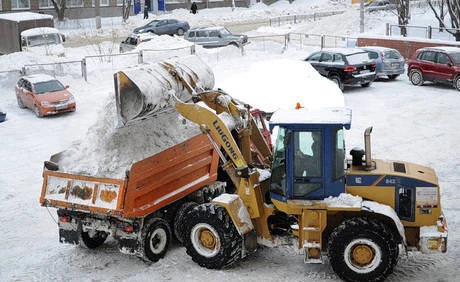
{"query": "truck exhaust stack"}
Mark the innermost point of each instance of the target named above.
(147, 90)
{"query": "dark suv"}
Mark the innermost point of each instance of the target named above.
(344, 66)
(436, 64)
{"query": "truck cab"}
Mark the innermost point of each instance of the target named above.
(309, 154)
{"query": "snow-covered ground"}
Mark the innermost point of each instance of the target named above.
(417, 124)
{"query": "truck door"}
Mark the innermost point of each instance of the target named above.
(307, 164)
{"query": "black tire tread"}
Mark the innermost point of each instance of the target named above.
(95, 241)
(231, 241)
(362, 227)
(149, 226)
(179, 223)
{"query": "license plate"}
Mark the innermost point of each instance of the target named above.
(365, 71)
(62, 107)
(395, 65)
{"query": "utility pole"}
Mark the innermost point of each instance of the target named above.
(361, 16)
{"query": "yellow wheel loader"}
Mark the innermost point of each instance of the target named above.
(359, 212)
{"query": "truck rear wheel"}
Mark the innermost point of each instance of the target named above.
(212, 239)
(179, 222)
(362, 249)
(156, 236)
(93, 239)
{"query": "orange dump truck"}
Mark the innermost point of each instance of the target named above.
(142, 210)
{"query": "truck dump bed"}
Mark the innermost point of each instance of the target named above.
(149, 185)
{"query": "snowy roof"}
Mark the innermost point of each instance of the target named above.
(312, 116)
(444, 48)
(24, 16)
(34, 78)
(345, 51)
(39, 31)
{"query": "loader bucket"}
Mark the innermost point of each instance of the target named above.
(147, 90)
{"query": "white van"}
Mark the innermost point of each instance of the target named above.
(43, 40)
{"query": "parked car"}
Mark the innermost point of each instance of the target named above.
(44, 94)
(2, 115)
(344, 66)
(132, 41)
(166, 26)
(389, 62)
(436, 64)
(218, 36)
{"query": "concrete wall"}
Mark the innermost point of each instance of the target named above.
(406, 46)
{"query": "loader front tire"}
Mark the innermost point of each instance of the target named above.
(212, 239)
(362, 249)
(93, 239)
(156, 236)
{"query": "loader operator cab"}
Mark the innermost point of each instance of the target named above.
(309, 154)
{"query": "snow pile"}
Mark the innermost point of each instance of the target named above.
(344, 200)
(282, 83)
(108, 151)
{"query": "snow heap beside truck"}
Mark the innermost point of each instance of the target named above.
(220, 199)
(32, 32)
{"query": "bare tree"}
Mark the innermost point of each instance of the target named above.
(59, 7)
(453, 7)
(402, 7)
(126, 9)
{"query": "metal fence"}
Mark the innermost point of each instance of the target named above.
(93, 63)
(112, 61)
(295, 19)
(422, 31)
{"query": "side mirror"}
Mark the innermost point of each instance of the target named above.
(67, 87)
(63, 37)
(449, 64)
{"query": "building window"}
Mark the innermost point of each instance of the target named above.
(20, 4)
(45, 4)
(102, 3)
(74, 3)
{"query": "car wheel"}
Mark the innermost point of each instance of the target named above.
(457, 82)
(20, 103)
(37, 111)
(180, 31)
(367, 84)
(416, 77)
(337, 81)
(393, 76)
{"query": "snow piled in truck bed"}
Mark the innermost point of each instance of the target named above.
(108, 151)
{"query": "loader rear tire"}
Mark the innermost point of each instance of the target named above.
(212, 239)
(362, 249)
(156, 236)
(179, 220)
(93, 239)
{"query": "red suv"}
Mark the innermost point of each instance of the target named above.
(436, 64)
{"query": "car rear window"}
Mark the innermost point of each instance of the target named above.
(357, 58)
(48, 86)
(392, 54)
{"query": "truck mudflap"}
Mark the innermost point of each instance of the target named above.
(78, 192)
(434, 238)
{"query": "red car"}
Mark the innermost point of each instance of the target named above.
(436, 64)
(44, 94)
